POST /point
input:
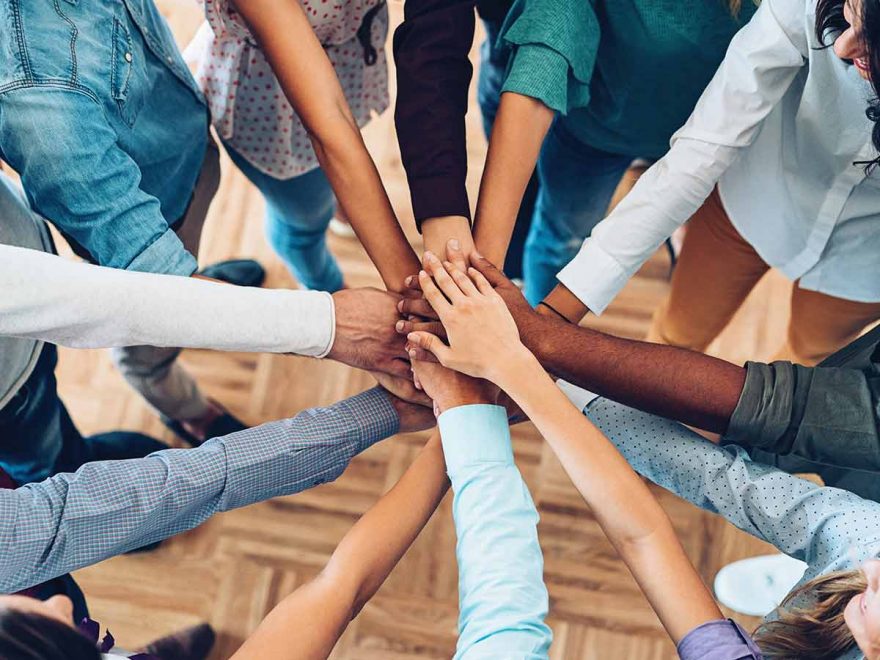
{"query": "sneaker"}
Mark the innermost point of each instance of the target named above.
(756, 586)
(341, 229)
(194, 643)
(243, 272)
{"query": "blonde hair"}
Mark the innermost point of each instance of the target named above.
(810, 624)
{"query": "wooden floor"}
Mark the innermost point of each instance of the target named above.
(234, 568)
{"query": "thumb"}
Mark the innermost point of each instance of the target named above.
(430, 343)
(488, 270)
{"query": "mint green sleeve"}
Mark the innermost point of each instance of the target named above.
(502, 598)
(554, 45)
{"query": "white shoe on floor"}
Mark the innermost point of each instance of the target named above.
(756, 586)
(341, 229)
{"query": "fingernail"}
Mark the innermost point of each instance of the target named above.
(412, 354)
(400, 306)
(400, 326)
(430, 256)
(411, 336)
(454, 244)
(423, 273)
(408, 280)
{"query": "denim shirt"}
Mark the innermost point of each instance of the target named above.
(105, 124)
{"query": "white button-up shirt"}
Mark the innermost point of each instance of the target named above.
(778, 130)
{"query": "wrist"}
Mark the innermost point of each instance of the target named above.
(436, 232)
(519, 366)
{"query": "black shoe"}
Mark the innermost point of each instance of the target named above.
(194, 643)
(120, 445)
(243, 272)
(223, 425)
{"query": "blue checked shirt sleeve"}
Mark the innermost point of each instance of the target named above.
(502, 598)
(828, 528)
(106, 508)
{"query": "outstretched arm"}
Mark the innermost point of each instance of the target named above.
(320, 610)
(691, 387)
(109, 507)
(310, 84)
(483, 342)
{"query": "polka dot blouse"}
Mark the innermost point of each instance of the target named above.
(249, 109)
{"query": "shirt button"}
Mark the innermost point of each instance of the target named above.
(170, 59)
(128, 57)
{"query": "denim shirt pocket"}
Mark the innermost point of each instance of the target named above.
(124, 69)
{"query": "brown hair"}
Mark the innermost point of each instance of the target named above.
(810, 624)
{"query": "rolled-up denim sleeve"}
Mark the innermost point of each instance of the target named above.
(77, 176)
(826, 415)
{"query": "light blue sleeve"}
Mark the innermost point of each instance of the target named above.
(502, 598)
(829, 528)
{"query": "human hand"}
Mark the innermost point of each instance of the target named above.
(413, 416)
(449, 389)
(483, 338)
(365, 334)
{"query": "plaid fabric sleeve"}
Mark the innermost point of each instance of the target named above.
(73, 520)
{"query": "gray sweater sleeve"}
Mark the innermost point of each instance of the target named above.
(826, 414)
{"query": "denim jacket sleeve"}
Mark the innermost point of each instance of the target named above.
(75, 174)
(827, 414)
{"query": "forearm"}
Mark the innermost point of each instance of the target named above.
(44, 299)
(359, 191)
(676, 383)
(376, 543)
(312, 87)
(322, 608)
(503, 600)
(517, 135)
(628, 513)
(44, 531)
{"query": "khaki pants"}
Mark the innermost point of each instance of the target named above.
(154, 372)
(717, 269)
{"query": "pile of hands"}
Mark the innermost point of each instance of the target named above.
(451, 338)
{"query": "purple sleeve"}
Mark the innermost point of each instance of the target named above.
(718, 640)
(431, 49)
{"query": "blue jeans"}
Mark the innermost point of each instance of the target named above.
(298, 211)
(577, 183)
(493, 70)
(38, 438)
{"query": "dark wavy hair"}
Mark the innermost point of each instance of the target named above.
(31, 636)
(830, 23)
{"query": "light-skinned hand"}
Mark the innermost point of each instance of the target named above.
(482, 335)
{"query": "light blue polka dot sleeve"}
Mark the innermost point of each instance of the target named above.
(829, 528)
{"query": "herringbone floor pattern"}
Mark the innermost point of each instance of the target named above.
(234, 568)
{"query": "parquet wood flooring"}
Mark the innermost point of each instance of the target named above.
(235, 567)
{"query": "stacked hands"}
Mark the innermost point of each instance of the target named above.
(457, 343)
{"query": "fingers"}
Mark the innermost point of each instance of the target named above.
(420, 354)
(434, 327)
(430, 343)
(412, 284)
(463, 281)
(442, 278)
(481, 282)
(419, 307)
(436, 299)
(488, 270)
(454, 254)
